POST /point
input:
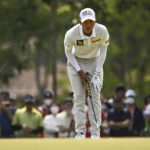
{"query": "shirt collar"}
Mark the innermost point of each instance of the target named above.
(84, 36)
(25, 109)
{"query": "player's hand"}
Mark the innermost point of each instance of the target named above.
(62, 129)
(26, 128)
(84, 77)
(96, 82)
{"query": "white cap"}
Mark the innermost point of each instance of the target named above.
(13, 96)
(147, 110)
(87, 13)
(129, 93)
(111, 101)
(129, 100)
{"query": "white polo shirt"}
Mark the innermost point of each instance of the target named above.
(83, 46)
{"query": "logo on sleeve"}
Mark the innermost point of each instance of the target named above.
(80, 42)
(97, 40)
(107, 41)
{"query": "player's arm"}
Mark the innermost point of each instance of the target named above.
(97, 79)
(103, 50)
(68, 44)
(103, 53)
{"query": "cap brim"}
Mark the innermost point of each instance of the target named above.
(147, 112)
(26, 101)
(129, 101)
(86, 18)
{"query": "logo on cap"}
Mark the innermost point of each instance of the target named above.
(87, 13)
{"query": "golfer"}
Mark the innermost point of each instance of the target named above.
(85, 48)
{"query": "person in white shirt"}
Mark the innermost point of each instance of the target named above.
(51, 123)
(66, 120)
(86, 48)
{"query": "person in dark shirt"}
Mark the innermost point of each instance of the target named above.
(119, 119)
(13, 100)
(137, 117)
(5, 116)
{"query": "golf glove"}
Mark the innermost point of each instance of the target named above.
(96, 82)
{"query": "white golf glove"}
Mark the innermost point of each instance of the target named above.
(96, 82)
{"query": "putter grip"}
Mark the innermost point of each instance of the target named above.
(88, 89)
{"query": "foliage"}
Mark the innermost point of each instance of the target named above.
(25, 32)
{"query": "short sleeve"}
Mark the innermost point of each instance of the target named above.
(15, 120)
(40, 121)
(105, 38)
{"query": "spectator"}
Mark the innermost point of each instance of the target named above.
(71, 95)
(47, 103)
(119, 120)
(51, 123)
(66, 120)
(5, 116)
(13, 100)
(130, 93)
(104, 104)
(137, 118)
(120, 92)
(27, 120)
(48, 98)
(146, 101)
(147, 120)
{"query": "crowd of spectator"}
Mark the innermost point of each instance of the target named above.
(120, 116)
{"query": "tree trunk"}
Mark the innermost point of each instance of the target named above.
(41, 82)
(53, 40)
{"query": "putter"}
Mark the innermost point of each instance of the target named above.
(90, 96)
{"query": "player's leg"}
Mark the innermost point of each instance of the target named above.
(95, 127)
(79, 100)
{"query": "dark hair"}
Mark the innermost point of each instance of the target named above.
(146, 99)
(68, 100)
(29, 98)
(71, 94)
(4, 95)
(120, 88)
(48, 94)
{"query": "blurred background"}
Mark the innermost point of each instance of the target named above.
(32, 57)
(35, 93)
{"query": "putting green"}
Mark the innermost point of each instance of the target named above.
(76, 144)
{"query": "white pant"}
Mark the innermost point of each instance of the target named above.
(88, 66)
